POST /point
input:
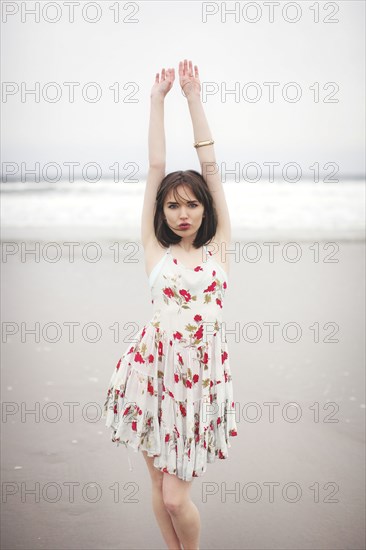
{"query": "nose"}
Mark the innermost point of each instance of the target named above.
(183, 214)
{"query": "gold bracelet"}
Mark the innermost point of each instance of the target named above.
(202, 143)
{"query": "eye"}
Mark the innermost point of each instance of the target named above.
(193, 205)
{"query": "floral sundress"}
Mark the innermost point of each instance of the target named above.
(171, 392)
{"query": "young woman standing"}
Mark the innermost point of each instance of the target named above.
(171, 394)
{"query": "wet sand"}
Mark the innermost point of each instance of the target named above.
(286, 485)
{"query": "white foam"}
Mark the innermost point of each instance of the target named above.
(114, 210)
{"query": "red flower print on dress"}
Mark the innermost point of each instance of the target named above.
(150, 388)
(167, 437)
(224, 285)
(180, 359)
(176, 378)
(118, 364)
(218, 301)
(151, 358)
(127, 411)
(138, 358)
(211, 287)
(188, 384)
(177, 335)
(186, 295)
(197, 318)
(199, 333)
(224, 356)
(160, 348)
(134, 426)
(198, 268)
(168, 292)
(195, 378)
(183, 409)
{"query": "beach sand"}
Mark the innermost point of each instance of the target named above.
(316, 464)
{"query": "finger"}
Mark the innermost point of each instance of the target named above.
(190, 69)
(185, 67)
(157, 78)
(196, 71)
(180, 68)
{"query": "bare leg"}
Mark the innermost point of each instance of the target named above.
(184, 513)
(162, 515)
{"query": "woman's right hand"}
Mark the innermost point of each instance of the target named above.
(162, 86)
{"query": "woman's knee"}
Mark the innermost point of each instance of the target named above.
(175, 497)
(173, 504)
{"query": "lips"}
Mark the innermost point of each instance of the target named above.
(184, 225)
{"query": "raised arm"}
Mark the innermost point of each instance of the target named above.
(191, 86)
(156, 146)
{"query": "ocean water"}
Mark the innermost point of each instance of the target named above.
(107, 210)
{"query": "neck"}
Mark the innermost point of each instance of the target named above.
(187, 246)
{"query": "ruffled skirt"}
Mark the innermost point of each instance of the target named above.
(173, 400)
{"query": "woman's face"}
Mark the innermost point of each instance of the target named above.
(188, 211)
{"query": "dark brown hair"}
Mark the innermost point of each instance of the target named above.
(195, 181)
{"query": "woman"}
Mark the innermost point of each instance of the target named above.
(171, 394)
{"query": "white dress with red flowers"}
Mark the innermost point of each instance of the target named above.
(171, 392)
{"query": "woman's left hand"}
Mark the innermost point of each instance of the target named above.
(189, 82)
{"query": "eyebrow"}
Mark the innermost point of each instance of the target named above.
(171, 202)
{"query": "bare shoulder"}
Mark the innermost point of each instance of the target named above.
(153, 252)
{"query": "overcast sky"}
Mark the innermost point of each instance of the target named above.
(228, 54)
